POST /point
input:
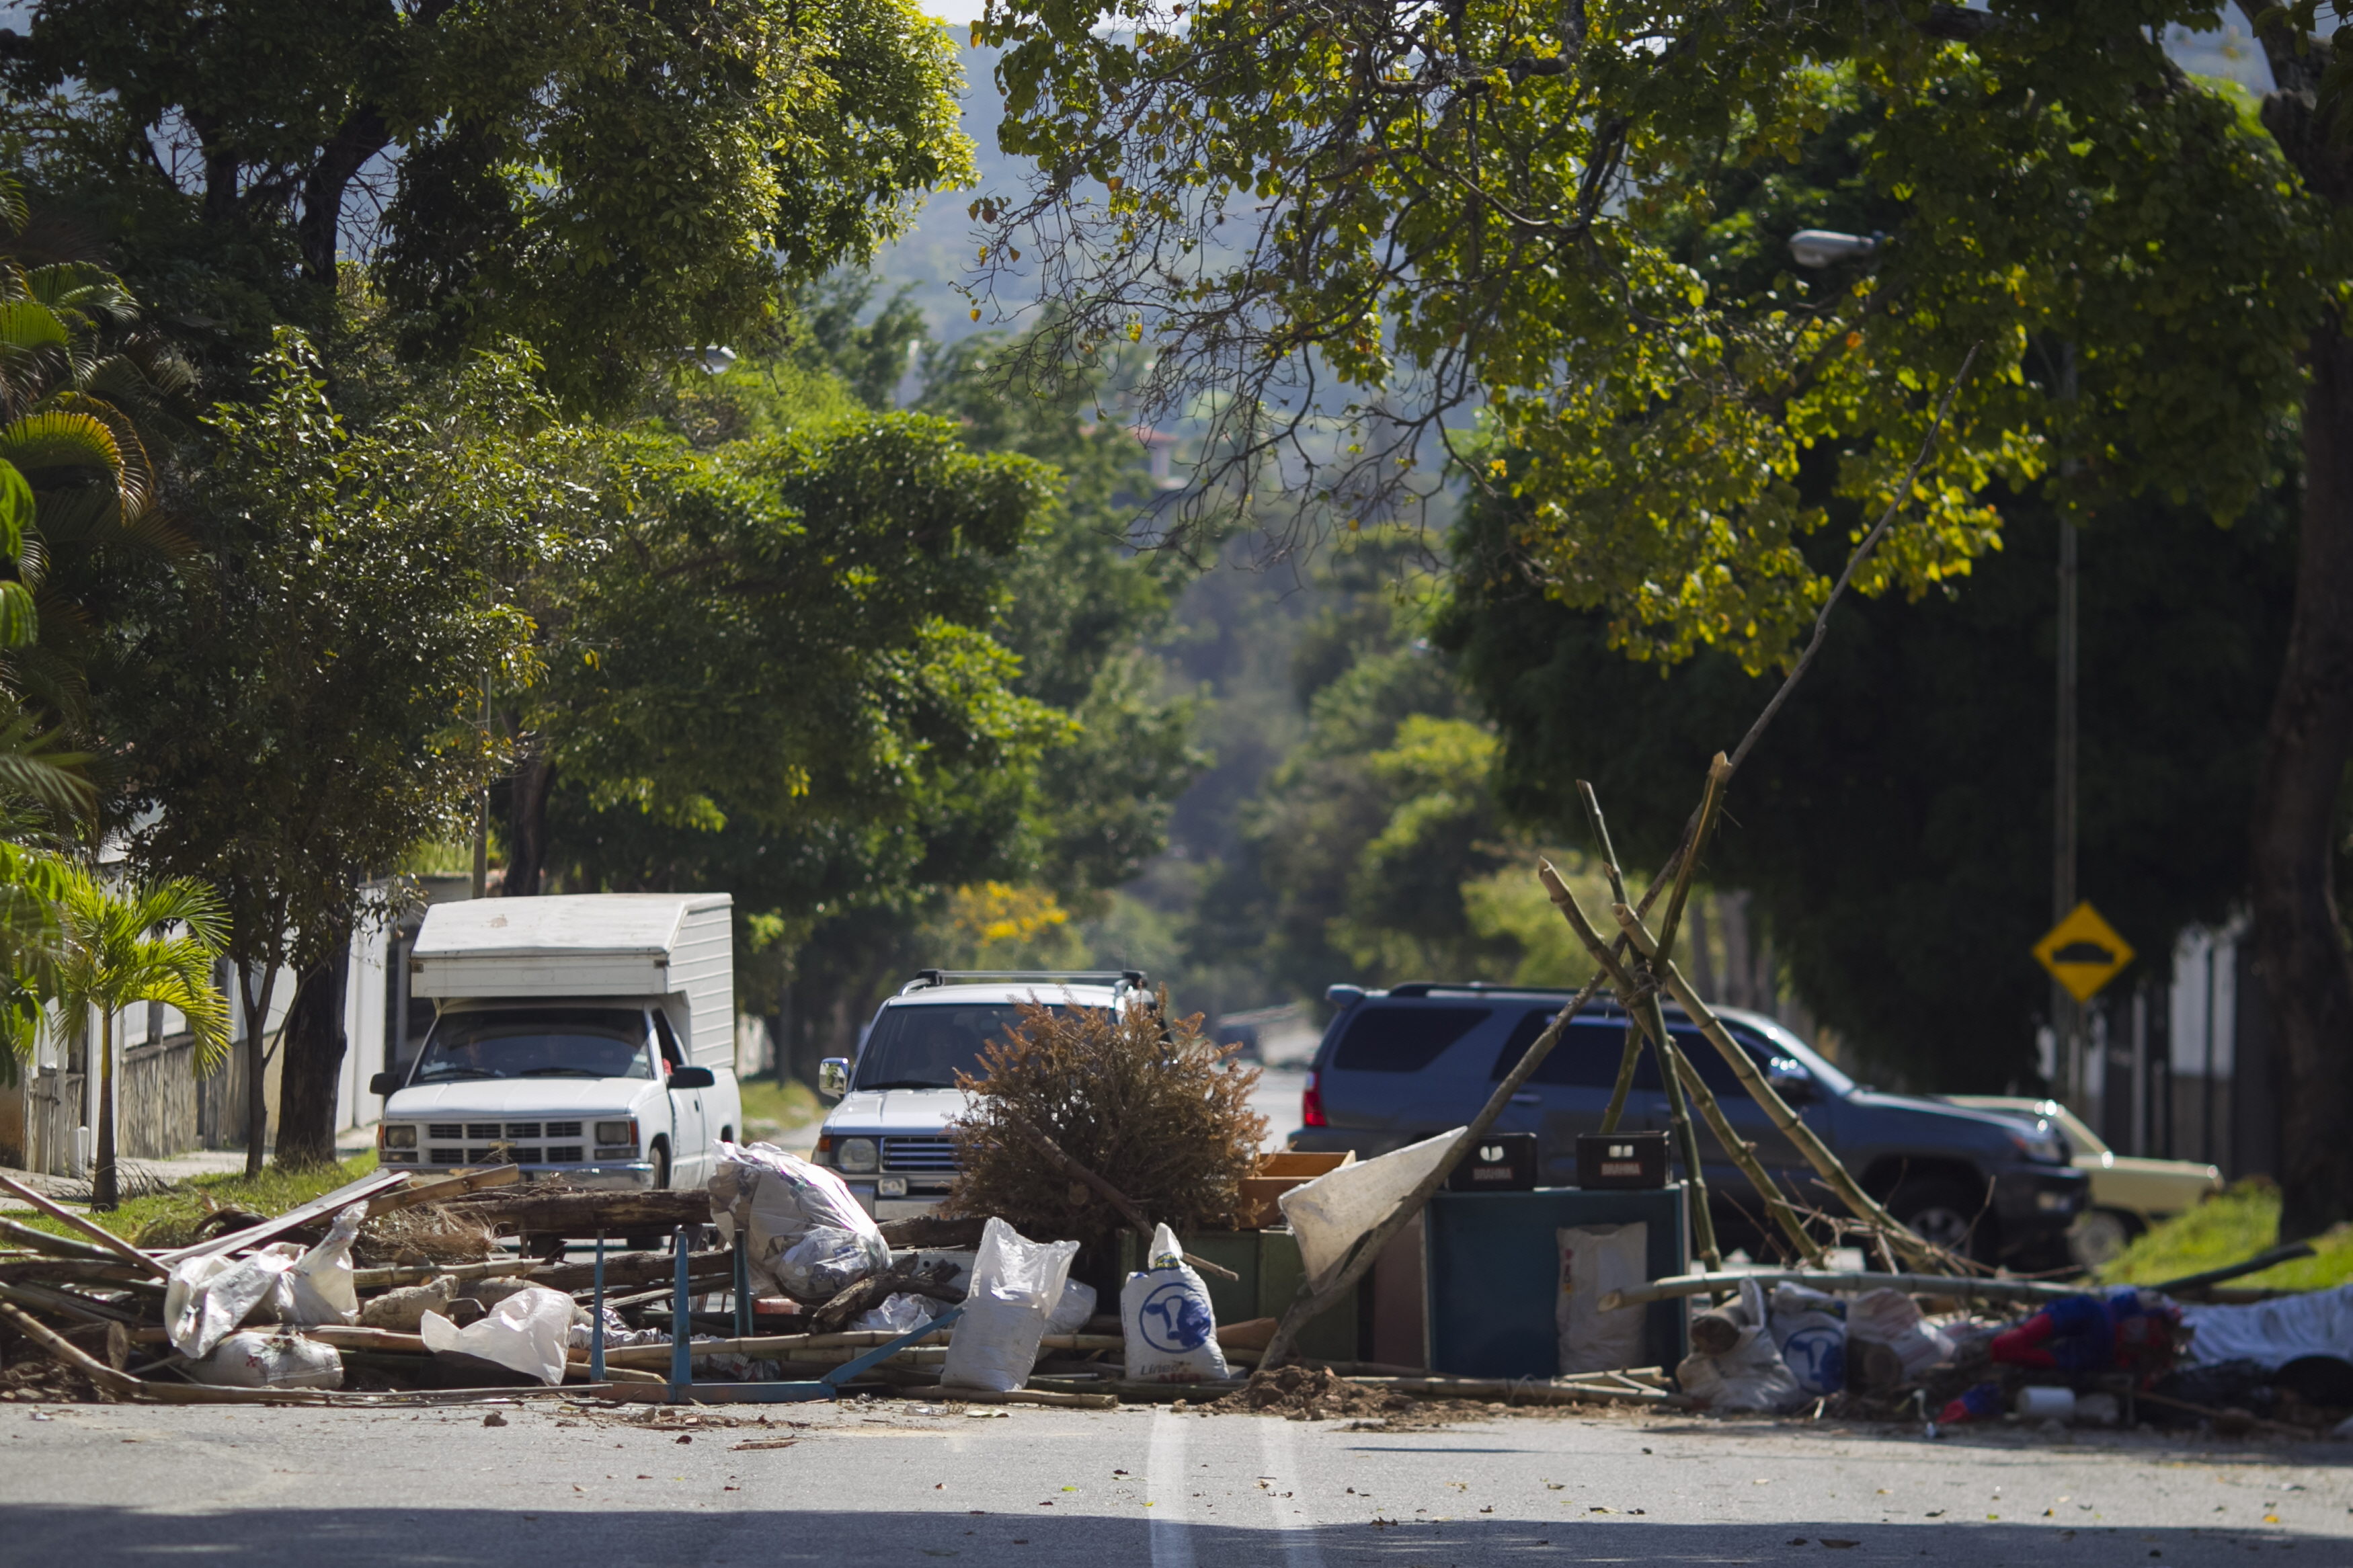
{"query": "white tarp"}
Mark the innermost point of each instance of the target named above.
(1331, 1211)
(2274, 1333)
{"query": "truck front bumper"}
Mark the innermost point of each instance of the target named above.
(889, 1196)
(613, 1175)
(2038, 1202)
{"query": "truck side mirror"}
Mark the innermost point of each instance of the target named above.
(691, 1077)
(384, 1083)
(833, 1076)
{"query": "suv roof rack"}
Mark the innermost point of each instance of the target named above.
(1426, 988)
(1119, 980)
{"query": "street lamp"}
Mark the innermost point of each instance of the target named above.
(1827, 247)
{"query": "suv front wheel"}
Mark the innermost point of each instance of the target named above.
(1944, 1212)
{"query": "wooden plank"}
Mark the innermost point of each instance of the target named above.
(321, 1207)
(620, 1211)
(95, 1232)
(454, 1186)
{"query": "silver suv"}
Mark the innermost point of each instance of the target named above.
(889, 1135)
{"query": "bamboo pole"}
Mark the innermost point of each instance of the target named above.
(97, 1233)
(1642, 1001)
(1833, 1172)
(1946, 1284)
(1743, 1155)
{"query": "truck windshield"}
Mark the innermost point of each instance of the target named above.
(559, 1042)
(922, 1046)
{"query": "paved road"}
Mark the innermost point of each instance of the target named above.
(877, 1485)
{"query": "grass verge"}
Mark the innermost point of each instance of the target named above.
(169, 1217)
(770, 1104)
(2232, 1225)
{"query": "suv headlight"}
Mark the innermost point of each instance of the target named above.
(2037, 1144)
(618, 1133)
(400, 1135)
(858, 1154)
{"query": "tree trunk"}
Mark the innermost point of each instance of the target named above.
(105, 1189)
(315, 1043)
(527, 824)
(255, 1008)
(2299, 941)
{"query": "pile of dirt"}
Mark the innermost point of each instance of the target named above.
(1304, 1394)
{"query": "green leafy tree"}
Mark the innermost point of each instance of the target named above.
(1486, 206)
(615, 183)
(307, 696)
(138, 942)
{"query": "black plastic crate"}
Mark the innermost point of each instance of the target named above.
(1499, 1163)
(1622, 1161)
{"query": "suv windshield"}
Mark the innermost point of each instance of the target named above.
(556, 1042)
(921, 1046)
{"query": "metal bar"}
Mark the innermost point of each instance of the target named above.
(597, 1327)
(744, 1325)
(883, 1353)
(681, 1328)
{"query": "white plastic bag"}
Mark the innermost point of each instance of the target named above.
(899, 1314)
(1751, 1375)
(1809, 1331)
(320, 1283)
(2272, 1334)
(1595, 1260)
(270, 1361)
(1165, 1313)
(774, 1200)
(1331, 1211)
(829, 1260)
(1014, 1284)
(207, 1298)
(1890, 1318)
(1071, 1312)
(526, 1333)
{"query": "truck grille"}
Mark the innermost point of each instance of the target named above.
(443, 1129)
(564, 1129)
(564, 1154)
(918, 1154)
(447, 1156)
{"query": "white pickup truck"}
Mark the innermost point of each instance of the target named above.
(587, 1037)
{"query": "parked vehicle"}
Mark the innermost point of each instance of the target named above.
(1402, 1064)
(889, 1135)
(2129, 1193)
(589, 1036)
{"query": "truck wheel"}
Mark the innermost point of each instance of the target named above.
(2097, 1238)
(1946, 1213)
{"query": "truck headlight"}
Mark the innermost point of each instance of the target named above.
(858, 1154)
(2039, 1145)
(618, 1133)
(400, 1135)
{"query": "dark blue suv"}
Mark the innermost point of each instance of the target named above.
(1399, 1065)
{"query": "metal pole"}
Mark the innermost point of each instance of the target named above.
(2206, 1109)
(596, 1326)
(681, 1324)
(2066, 1015)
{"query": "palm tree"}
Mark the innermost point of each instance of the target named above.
(137, 942)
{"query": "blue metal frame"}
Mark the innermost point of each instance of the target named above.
(683, 1389)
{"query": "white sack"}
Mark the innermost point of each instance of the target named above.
(1331, 1211)
(1890, 1318)
(270, 1361)
(526, 1333)
(1164, 1314)
(321, 1282)
(2273, 1333)
(774, 1200)
(1595, 1260)
(1016, 1283)
(1751, 1375)
(402, 1310)
(1809, 1331)
(1071, 1312)
(206, 1298)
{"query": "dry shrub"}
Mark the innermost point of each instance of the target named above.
(431, 1232)
(1156, 1109)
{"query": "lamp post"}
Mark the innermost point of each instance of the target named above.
(1818, 248)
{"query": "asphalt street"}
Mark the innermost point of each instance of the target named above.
(861, 1484)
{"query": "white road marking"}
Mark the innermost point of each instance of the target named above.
(1172, 1544)
(1278, 1447)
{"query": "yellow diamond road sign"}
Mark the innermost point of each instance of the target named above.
(2083, 953)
